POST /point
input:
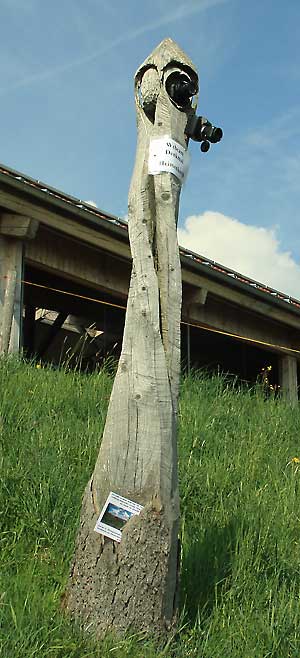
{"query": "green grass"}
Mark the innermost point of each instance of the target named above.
(240, 595)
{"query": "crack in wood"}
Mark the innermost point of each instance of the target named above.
(132, 584)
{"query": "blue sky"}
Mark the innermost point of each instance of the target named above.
(68, 119)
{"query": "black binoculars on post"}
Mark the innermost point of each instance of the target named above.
(201, 130)
(181, 88)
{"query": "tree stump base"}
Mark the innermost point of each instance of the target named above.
(119, 587)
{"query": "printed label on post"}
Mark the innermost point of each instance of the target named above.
(115, 513)
(167, 155)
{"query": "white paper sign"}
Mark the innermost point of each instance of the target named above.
(115, 513)
(167, 155)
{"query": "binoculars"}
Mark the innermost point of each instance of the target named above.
(201, 130)
(181, 88)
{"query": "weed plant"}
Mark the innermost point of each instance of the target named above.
(239, 456)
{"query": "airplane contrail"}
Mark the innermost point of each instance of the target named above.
(182, 12)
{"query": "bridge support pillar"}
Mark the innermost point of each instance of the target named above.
(288, 378)
(14, 230)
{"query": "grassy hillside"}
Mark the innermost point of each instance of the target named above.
(239, 483)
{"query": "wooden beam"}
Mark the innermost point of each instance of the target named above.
(58, 220)
(103, 315)
(18, 226)
(52, 332)
(243, 298)
(193, 297)
(230, 318)
(79, 262)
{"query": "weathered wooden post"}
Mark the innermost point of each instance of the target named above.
(131, 581)
(15, 230)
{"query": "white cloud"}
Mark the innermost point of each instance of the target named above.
(251, 250)
(92, 203)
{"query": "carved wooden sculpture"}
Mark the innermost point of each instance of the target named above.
(133, 584)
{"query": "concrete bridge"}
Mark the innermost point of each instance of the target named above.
(61, 256)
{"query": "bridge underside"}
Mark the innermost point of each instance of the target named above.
(64, 277)
(67, 322)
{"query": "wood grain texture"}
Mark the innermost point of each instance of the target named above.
(11, 264)
(134, 584)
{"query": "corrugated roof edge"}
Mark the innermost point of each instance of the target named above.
(83, 205)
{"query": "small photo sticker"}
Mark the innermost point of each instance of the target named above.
(116, 511)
